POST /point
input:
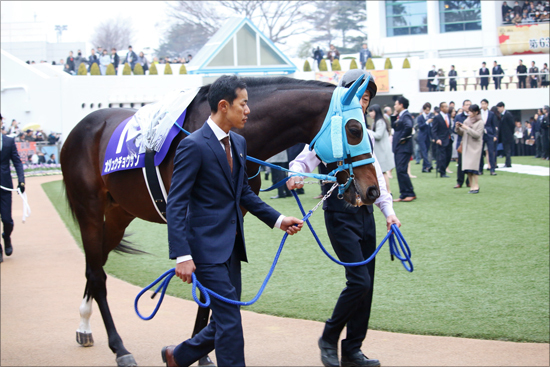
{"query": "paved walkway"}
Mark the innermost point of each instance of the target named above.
(43, 281)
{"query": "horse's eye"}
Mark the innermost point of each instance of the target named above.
(355, 132)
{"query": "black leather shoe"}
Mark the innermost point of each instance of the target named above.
(7, 244)
(329, 354)
(444, 176)
(167, 354)
(359, 360)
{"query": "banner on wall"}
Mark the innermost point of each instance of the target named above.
(524, 39)
(381, 78)
(26, 150)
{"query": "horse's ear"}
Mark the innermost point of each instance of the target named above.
(350, 93)
(363, 88)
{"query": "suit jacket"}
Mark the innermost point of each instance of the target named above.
(452, 73)
(402, 137)
(423, 128)
(484, 80)
(203, 207)
(490, 127)
(9, 152)
(507, 127)
(497, 70)
(431, 74)
(440, 131)
(459, 118)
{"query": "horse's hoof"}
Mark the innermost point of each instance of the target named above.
(84, 339)
(206, 361)
(126, 361)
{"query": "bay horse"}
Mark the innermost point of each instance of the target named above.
(284, 112)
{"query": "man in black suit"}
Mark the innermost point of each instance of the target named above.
(461, 118)
(497, 71)
(423, 122)
(521, 70)
(441, 132)
(8, 152)
(431, 74)
(506, 132)
(402, 124)
(205, 222)
(115, 59)
(484, 81)
(489, 136)
(452, 81)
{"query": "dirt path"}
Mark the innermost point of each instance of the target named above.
(43, 281)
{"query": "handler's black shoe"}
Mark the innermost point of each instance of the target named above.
(359, 360)
(329, 354)
(7, 245)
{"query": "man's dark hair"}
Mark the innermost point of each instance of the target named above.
(500, 104)
(224, 88)
(427, 105)
(466, 100)
(452, 66)
(483, 63)
(453, 102)
(441, 104)
(403, 101)
(484, 100)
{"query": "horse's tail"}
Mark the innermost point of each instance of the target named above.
(126, 247)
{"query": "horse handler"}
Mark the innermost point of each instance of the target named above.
(8, 151)
(352, 233)
(205, 222)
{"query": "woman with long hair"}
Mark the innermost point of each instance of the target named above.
(471, 131)
(382, 147)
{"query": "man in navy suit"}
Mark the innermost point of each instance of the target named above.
(402, 145)
(489, 136)
(441, 133)
(506, 132)
(205, 222)
(484, 81)
(8, 151)
(423, 122)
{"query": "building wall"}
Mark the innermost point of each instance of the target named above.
(435, 44)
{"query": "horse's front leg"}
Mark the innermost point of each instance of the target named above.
(84, 332)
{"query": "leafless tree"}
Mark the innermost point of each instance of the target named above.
(118, 33)
(278, 20)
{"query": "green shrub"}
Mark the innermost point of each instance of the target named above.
(336, 65)
(138, 69)
(406, 64)
(349, 58)
(307, 67)
(82, 69)
(387, 64)
(323, 65)
(353, 64)
(153, 69)
(167, 69)
(183, 69)
(110, 70)
(370, 64)
(127, 69)
(94, 70)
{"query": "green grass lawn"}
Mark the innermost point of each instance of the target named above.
(481, 261)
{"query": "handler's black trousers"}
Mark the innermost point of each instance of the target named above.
(353, 237)
(5, 212)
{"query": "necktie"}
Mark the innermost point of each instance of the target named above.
(446, 121)
(225, 142)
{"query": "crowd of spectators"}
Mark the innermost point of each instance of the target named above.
(13, 130)
(527, 13)
(538, 78)
(103, 58)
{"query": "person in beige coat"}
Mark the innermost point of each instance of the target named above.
(471, 131)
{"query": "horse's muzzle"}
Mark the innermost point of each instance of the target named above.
(373, 193)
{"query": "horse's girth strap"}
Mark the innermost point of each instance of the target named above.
(153, 181)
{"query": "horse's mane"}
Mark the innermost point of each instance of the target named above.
(281, 82)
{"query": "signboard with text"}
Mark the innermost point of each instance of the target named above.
(524, 39)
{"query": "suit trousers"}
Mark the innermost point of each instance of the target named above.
(444, 154)
(278, 175)
(224, 333)
(508, 153)
(5, 211)
(521, 81)
(497, 83)
(401, 164)
(353, 237)
(460, 172)
(452, 85)
(538, 144)
(490, 144)
(424, 145)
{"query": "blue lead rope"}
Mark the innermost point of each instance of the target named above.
(207, 293)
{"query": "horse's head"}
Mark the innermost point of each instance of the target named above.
(343, 139)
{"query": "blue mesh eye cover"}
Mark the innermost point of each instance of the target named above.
(331, 143)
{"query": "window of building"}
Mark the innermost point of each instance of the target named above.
(406, 17)
(459, 16)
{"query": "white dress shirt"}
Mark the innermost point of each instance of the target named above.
(220, 134)
(307, 161)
